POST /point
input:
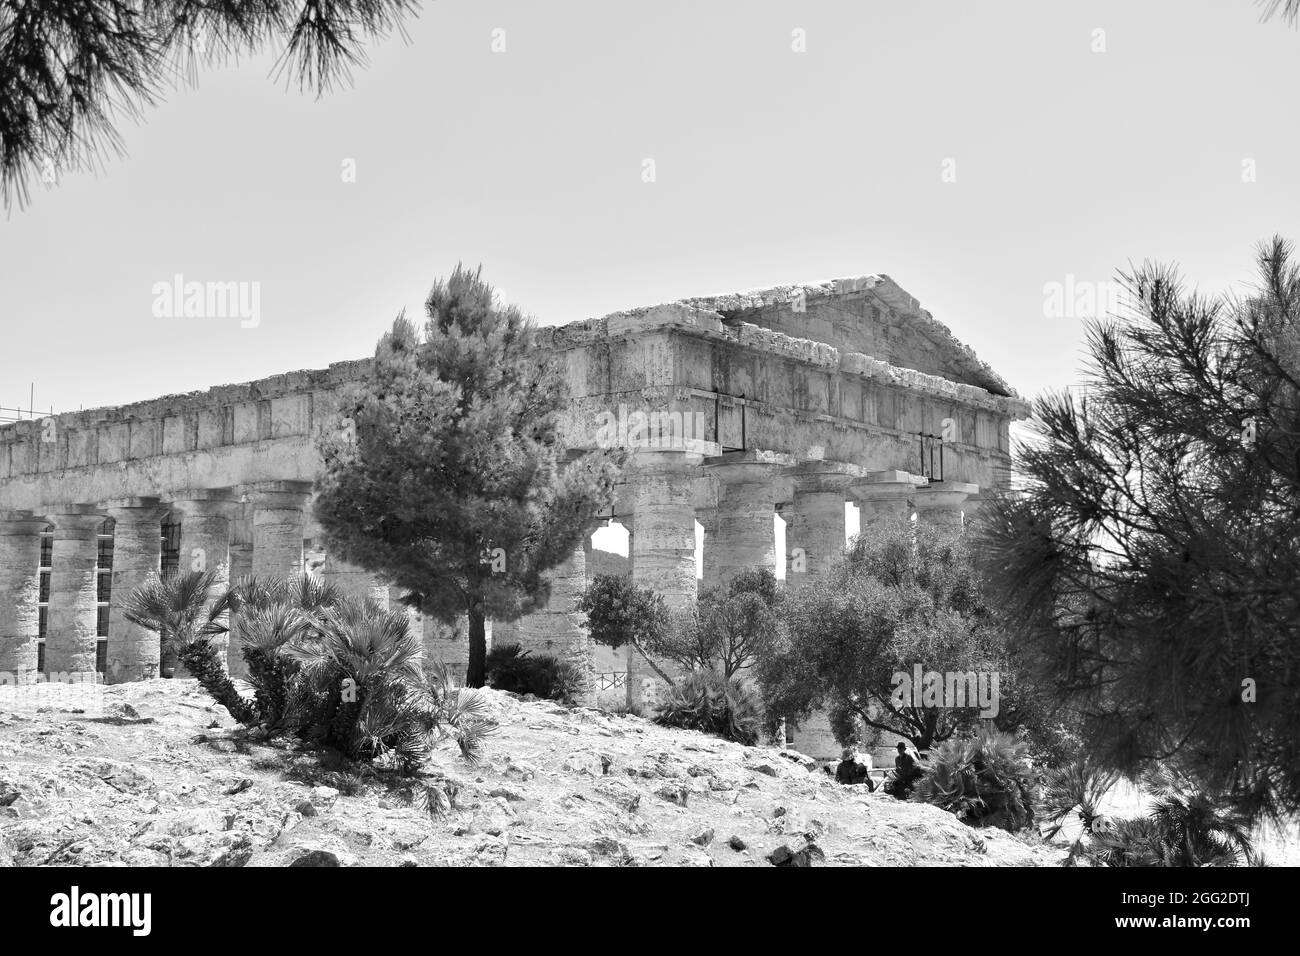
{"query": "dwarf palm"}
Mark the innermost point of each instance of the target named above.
(986, 780)
(272, 615)
(1195, 830)
(365, 663)
(182, 610)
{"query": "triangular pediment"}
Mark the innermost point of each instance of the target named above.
(871, 314)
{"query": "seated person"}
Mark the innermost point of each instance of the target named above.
(906, 773)
(851, 772)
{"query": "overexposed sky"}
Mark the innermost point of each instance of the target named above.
(975, 152)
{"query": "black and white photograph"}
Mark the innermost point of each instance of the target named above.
(486, 434)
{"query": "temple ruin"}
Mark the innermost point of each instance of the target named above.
(790, 401)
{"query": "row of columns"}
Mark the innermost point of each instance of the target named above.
(206, 520)
(660, 518)
(740, 533)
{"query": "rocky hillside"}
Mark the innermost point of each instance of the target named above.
(160, 776)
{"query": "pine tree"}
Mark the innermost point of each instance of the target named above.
(1151, 560)
(68, 66)
(447, 472)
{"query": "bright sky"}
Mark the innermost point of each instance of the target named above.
(770, 166)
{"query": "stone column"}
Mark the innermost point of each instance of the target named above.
(354, 582)
(133, 651)
(662, 545)
(205, 543)
(745, 519)
(241, 565)
(278, 520)
(883, 496)
(814, 534)
(20, 593)
(939, 503)
(559, 629)
(712, 576)
(72, 637)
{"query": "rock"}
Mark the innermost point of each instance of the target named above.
(803, 760)
(237, 852)
(305, 807)
(673, 793)
(584, 762)
(607, 846)
(317, 858)
(703, 837)
(514, 796)
(806, 855)
(623, 795)
(322, 798)
(238, 787)
(736, 843)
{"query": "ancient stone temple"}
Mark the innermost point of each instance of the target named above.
(792, 401)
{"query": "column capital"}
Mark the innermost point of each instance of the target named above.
(76, 520)
(204, 502)
(885, 486)
(811, 477)
(140, 509)
(752, 464)
(22, 523)
(290, 494)
(943, 494)
(661, 460)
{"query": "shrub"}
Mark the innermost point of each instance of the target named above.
(1185, 827)
(986, 780)
(708, 702)
(518, 671)
(365, 689)
(344, 673)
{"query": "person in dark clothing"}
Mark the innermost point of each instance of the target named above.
(850, 772)
(906, 773)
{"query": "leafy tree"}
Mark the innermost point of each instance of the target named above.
(729, 627)
(902, 596)
(620, 613)
(67, 67)
(446, 472)
(1149, 563)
